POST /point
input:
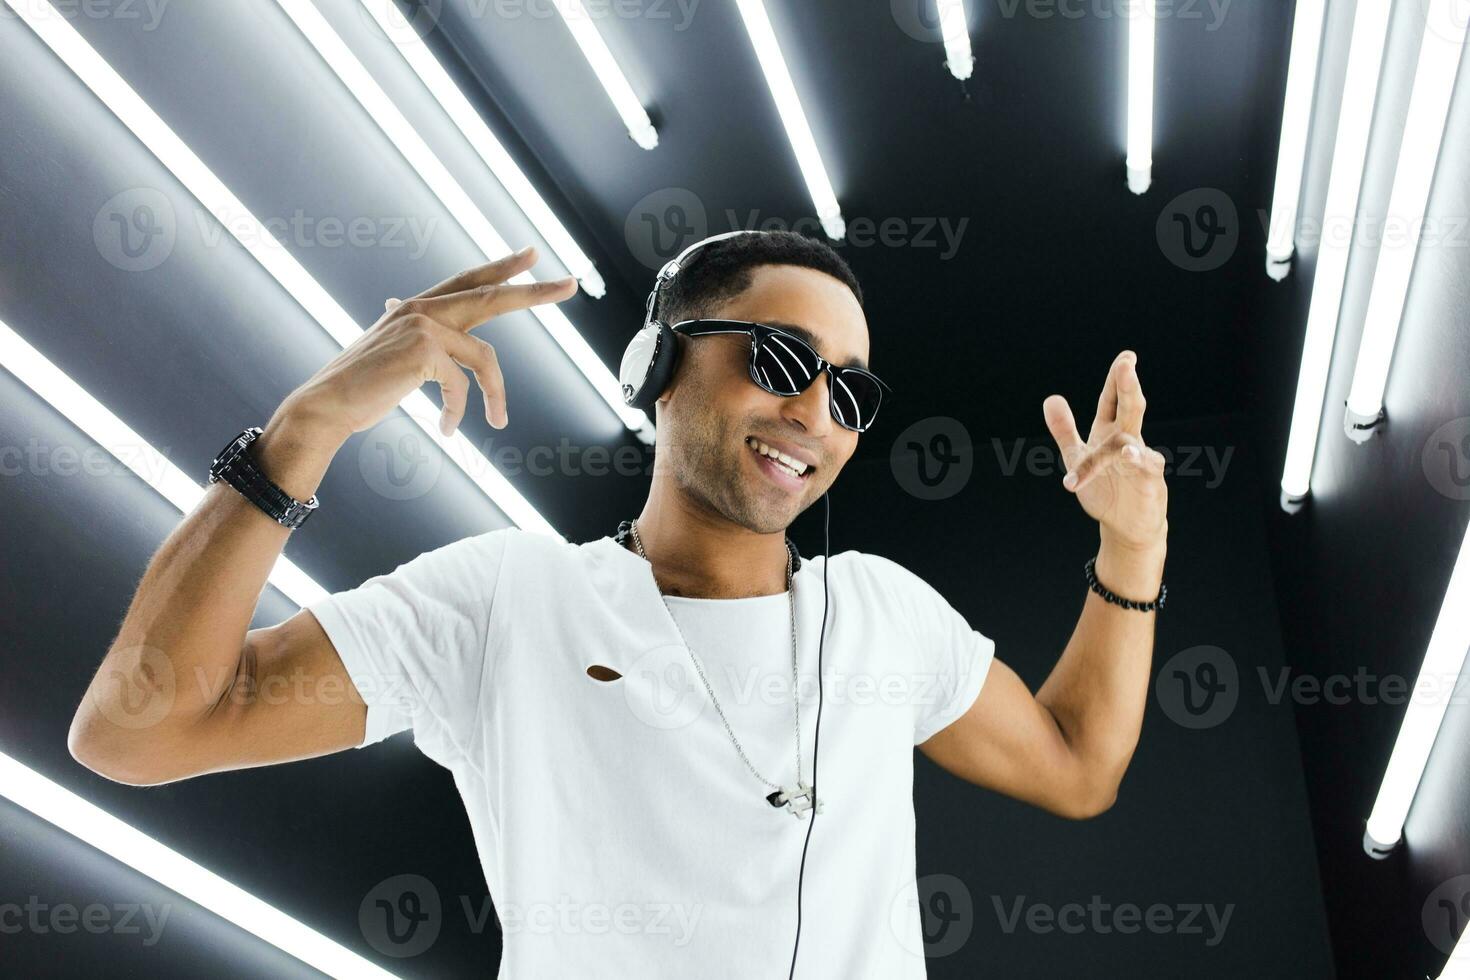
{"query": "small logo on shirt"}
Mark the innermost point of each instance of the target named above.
(662, 689)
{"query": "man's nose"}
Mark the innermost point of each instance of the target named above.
(810, 409)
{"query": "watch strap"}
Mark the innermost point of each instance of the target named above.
(236, 466)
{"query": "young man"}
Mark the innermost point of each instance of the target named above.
(619, 715)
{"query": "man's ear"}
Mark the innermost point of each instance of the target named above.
(681, 354)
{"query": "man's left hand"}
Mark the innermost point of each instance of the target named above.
(1116, 477)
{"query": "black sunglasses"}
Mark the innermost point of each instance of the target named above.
(784, 364)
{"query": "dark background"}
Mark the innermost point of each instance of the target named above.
(1057, 268)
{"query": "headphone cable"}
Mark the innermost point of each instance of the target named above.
(817, 728)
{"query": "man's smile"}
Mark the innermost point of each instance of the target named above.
(785, 465)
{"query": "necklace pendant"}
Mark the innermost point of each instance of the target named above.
(797, 800)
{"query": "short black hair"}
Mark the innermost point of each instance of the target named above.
(722, 270)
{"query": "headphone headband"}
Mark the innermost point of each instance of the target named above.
(649, 359)
(674, 266)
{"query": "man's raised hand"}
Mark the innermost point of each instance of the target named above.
(425, 338)
(1116, 477)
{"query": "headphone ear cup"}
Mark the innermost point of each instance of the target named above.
(648, 365)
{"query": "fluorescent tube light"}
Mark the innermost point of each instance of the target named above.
(1296, 119)
(960, 60)
(350, 71)
(1458, 965)
(1434, 689)
(1141, 23)
(91, 824)
(605, 67)
(58, 34)
(1429, 107)
(1360, 89)
(129, 448)
(798, 131)
(479, 136)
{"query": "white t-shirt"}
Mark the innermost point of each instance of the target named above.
(620, 833)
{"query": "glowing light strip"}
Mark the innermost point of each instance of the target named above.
(92, 825)
(1429, 108)
(960, 59)
(1365, 60)
(1434, 689)
(129, 448)
(788, 104)
(608, 73)
(1458, 966)
(1296, 119)
(457, 202)
(58, 34)
(479, 136)
(82, 819)
(1142, 18)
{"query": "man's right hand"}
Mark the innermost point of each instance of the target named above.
(189, 621)
(425, 338)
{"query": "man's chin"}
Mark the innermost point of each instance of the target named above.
(771, 516)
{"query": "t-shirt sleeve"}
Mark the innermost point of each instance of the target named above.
(416, 641)
(952, 658)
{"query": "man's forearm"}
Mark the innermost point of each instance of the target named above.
(178, 648)
(1099, 687)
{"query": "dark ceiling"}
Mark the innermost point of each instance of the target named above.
(1017, 262)
(1010, 246)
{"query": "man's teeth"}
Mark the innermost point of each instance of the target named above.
(796, 466)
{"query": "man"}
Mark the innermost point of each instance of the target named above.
(633, 722)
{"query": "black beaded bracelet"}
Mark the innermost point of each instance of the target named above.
(1117, 600)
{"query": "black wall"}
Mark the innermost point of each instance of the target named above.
(1361, 572)
(1361, 575)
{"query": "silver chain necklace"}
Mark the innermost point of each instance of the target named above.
(797, 799)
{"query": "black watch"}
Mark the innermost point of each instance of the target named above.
(236, 466)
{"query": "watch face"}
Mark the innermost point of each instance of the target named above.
(227, 454)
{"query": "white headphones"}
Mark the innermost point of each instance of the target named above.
(651, 356)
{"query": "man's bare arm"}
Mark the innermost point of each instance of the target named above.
(186, 687)
(1065, 749)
